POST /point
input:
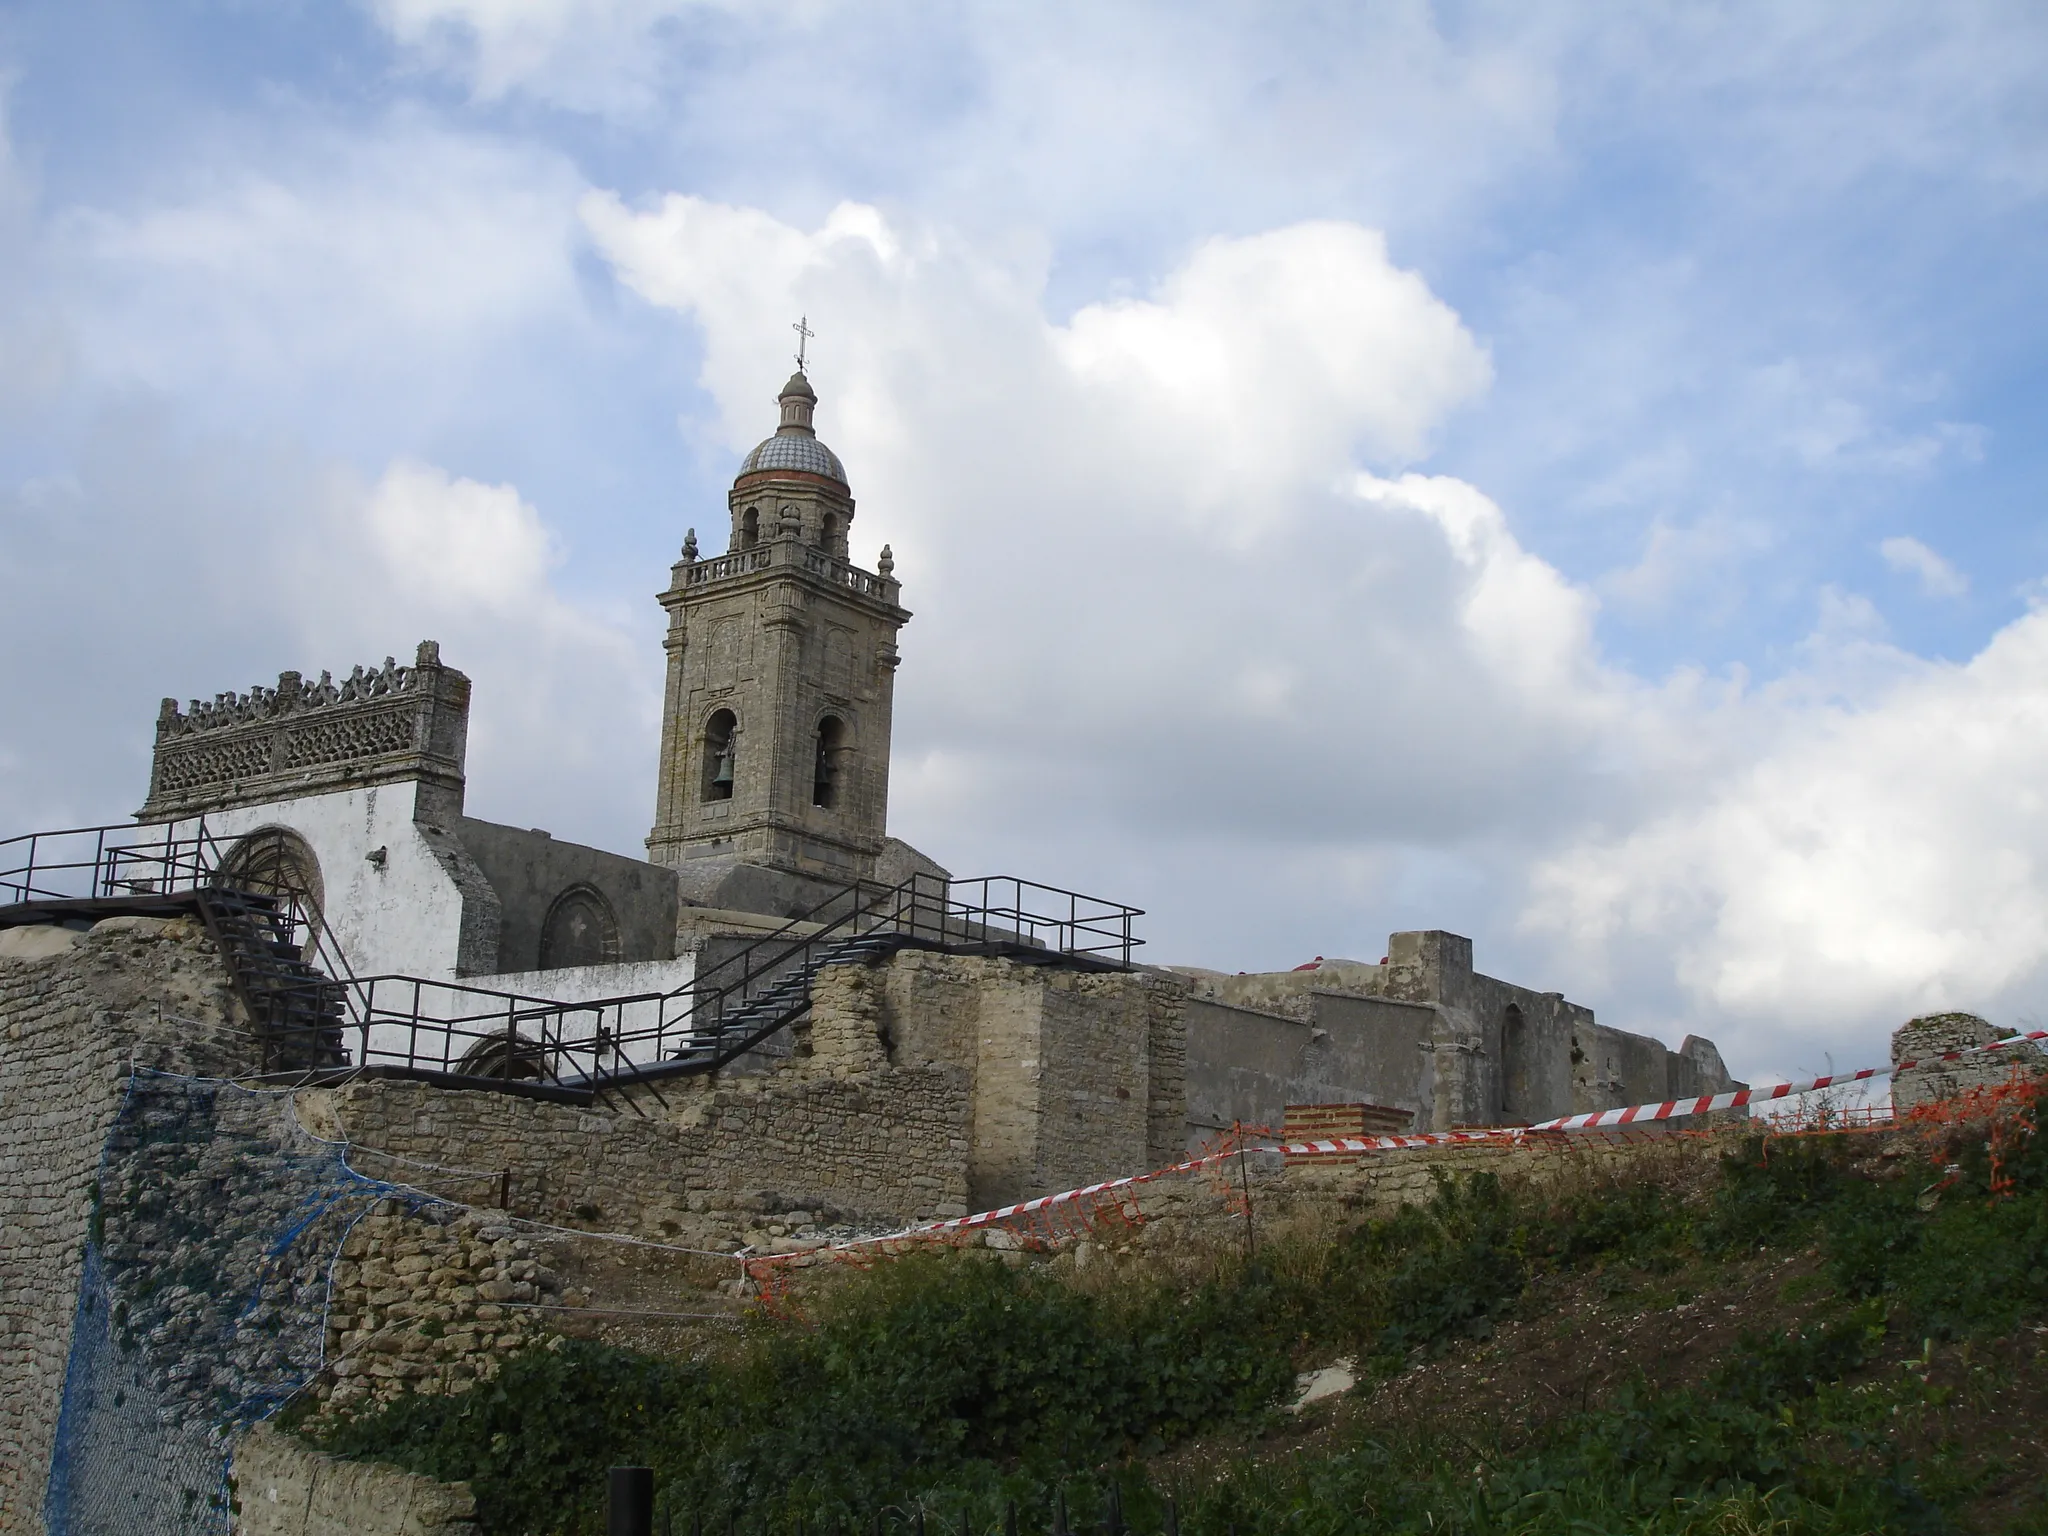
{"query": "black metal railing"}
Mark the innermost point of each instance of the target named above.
(96, 863)
(458, 1031)
(314, 1014)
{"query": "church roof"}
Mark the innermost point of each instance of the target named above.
(790, 449)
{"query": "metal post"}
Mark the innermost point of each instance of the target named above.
(1172, 1518)
(1251, 1235)
(631, 1511)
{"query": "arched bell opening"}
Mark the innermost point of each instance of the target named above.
(750, 528)
(829, 763)
(721, 755)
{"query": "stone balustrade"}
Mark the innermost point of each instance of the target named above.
(786, 553)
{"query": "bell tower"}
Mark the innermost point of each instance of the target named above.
(781, 674)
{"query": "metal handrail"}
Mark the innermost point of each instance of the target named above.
(479, 1034)
(125, 859)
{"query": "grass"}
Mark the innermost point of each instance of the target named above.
(1862, 1394)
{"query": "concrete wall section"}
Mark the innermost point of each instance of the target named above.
(283, 1487)
(531, 871)
(1247, 1065)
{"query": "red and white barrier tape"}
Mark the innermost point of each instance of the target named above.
(1672, 1109)
(1635, 1114)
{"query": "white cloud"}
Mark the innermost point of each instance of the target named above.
(1151, 582)
(1873, 859)
(175, 566)
(459, 543)
(380, 267)
(1360, 672)
(1912, 558)
(1279, 351)
(598, 55)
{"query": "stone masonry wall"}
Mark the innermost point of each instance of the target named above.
(836, 1127)
(431, 1306)
(1077, 1075)
(75, 1009)
(1936, 1034)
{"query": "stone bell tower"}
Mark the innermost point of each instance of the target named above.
(781, 675)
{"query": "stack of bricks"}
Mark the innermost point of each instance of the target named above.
(1330, 1122)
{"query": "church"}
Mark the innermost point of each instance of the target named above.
(345, 800)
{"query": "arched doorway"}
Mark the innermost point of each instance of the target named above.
(278, 863)
(517, 1060)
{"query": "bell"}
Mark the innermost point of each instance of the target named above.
(722, 774)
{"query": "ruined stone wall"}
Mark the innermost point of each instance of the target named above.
(1493, 1053)
(1183, 1218)
(1166, 1036)
(690, 1160)
(1935, 1034)
(1076, 1075)
(432, 1305)
(75, 1010)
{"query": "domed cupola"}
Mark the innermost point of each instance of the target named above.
(795, 445)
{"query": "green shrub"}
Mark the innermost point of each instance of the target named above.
(957, 1383)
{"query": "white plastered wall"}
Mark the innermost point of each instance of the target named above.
(401, 916)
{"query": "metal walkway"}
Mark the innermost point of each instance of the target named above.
(319, 1023)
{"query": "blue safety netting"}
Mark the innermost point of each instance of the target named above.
(202, 1304)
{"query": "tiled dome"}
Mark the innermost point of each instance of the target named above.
(792, 449)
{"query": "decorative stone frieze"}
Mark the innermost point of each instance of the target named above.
(375, 726)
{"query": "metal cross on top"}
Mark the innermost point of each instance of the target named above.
(804, 333)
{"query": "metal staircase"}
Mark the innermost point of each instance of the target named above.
(296, 1009)
(761, 1017)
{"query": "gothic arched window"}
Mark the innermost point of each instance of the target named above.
(579, 930)
(831, 747)
(721, 755)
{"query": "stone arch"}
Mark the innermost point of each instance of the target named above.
(580, 929)
(276, 862)
(750, 528)
(1517, 1066)
(517, 1060)
(721, 755)
(831, 751)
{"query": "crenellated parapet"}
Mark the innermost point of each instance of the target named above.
(377, 725)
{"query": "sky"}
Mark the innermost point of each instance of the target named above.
(1568, 474)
